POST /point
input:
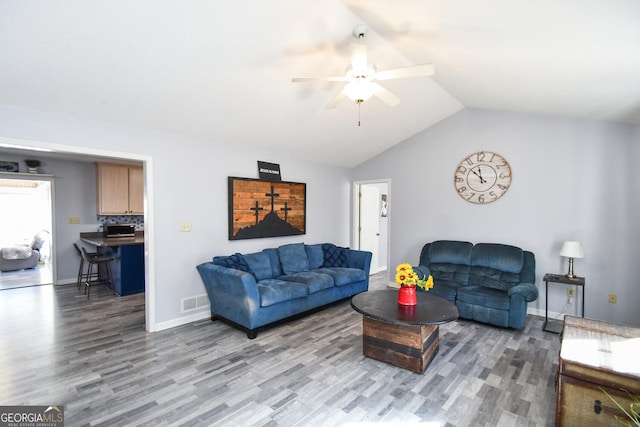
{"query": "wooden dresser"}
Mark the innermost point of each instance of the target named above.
(596, 356)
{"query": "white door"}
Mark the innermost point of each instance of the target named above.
(369, 222)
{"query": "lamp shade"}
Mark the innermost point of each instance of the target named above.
(572, 250)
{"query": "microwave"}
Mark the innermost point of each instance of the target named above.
(119, 230)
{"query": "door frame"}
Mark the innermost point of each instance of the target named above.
(355, 219)
(149, 238)
(52, 207)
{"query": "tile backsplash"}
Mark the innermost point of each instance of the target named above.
(136, 220)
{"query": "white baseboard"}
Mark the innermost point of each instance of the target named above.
(206, 314)
(551, 314)
(537, 312)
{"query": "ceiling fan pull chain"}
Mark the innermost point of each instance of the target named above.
(359, 103)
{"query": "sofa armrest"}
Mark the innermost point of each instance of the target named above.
(422, 271)
(528, 290)
(228, 284)
(359, 259)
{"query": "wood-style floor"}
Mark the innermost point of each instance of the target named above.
(40, 275)
(95, 358)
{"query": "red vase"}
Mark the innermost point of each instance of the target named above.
(407, 312)
(407, 295)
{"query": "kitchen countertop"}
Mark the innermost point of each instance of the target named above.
(98, 239)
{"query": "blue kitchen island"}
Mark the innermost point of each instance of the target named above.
(127, 266)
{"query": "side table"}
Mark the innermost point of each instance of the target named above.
(555, 326)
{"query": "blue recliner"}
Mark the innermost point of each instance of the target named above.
(489, 282)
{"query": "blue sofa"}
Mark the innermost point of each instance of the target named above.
(489, 282)
(254, 290)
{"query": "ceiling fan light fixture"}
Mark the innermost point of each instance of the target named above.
(359, 90)
(364, 71)
(361, 76)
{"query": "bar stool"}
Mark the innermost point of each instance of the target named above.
(81, 274)
(102, 264)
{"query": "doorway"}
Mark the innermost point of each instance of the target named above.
(30, 199)
(75, 152)
(371, 221)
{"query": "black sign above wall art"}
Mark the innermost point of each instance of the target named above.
(259, 208)
(269, 171)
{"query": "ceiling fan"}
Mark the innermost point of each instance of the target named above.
(361, 75)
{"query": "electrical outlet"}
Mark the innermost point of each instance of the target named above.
(185, 227)
(613, 298)
(571, 292)
(74, 220)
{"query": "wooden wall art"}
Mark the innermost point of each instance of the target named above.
(259, 208)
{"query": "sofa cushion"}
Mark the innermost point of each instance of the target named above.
(293, 258)
(274, 259)
(448, 261)
(315, 255)
(314, 280)
(343, 275)
(236, 261)
(444, 289)
(450, 273)
(16, 252)
(260, 264)
(273, 291)
(450, 252)
(334, 256)
(491, 278)
(38, 240)
(495, 266)
(482, 296)
(497, 256)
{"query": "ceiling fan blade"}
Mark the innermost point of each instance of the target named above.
(320, 79)
(387, 97)
(358, 56)
(404, 72)
(335, 101)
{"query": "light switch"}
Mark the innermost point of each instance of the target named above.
(74, 220)
(185, 226)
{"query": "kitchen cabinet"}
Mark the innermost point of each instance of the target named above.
(120, 189)
(127, 266)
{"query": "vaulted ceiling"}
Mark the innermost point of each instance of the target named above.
(221, 71)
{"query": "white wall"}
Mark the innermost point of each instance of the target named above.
(572, 180)
(190, 184)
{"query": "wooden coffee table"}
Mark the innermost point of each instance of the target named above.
(404, 336)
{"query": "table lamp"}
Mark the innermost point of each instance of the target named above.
(571, 250)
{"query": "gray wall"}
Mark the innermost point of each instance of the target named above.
(190, 184)
(572, 180)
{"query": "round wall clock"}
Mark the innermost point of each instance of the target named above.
(482, 177)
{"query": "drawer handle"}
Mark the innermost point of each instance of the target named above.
(597, 407)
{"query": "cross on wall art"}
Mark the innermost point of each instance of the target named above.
(259, 208)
